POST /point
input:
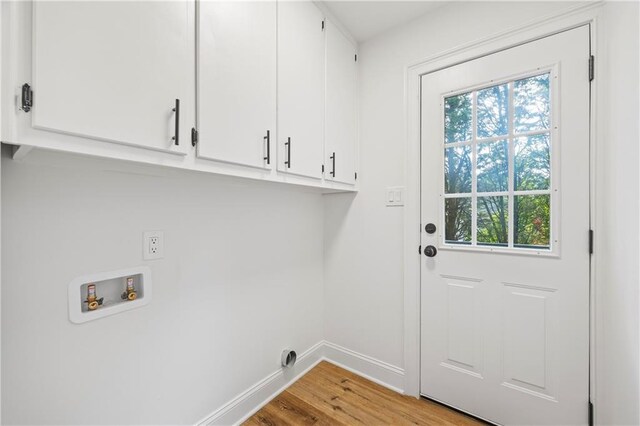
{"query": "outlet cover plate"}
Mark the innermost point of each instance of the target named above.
(152, 245)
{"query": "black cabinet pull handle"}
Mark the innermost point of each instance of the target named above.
(27, 97)
(176, 137)
(288, 145)
(268, 140)
(333, 165)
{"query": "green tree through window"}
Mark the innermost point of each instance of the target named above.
(497, 163)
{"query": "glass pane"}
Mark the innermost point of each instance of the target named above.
(457, 169)
(457, 218)
(493, 111)
(532, 163)
(493, 221)
(531, 104)
(457, 118)
(531, 220)
(492, 169)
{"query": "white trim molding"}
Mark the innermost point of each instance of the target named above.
(377, 371)
(572, 17)
(247, 403)
(251, 400)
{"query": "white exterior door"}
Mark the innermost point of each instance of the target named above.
(505, 181)
(114, 71)
(300, 88)
(237, 82)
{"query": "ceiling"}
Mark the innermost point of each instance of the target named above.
(366, 19)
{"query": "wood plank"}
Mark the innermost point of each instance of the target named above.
(330, 395)
(334, 402)
(293, 410)
(398, 408)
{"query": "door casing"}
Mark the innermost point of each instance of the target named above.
(572, 17)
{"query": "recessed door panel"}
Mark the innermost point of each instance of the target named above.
(460, 331)
(525, 326)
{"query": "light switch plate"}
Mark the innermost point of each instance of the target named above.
(152, 245)
(394, 196)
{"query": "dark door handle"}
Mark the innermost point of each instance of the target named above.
(268, 140)
(430, 251)
(288, 145)
(176, 137)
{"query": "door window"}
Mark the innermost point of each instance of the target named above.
(497, 165)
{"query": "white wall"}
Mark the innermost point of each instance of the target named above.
(364, 239)
(240, 281)
(617, 244)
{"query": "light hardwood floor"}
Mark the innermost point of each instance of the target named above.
(330, 395)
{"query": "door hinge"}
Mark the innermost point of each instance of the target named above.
(591, 419)
(356, 175)
(27, 98)
(356, 57)
(194, 136)
(590, 241)
(323, 168)
(592, 67)
(323, 25)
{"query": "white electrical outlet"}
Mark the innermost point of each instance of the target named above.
(153, 245)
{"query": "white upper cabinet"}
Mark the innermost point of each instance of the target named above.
(113, 71)
(270, 86)
(341, 113)
(300, 88)
(237, 82)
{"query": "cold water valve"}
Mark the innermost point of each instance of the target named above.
(130, 291)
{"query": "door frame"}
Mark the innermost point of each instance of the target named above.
(572, 17)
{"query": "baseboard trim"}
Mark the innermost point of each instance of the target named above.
(257, 396)
(377, 371)
(248, 402)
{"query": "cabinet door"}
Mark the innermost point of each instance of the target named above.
(341, 116)
(300, 88)
(237, 81)
(113, 70)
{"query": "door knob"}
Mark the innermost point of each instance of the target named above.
(430, 251)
